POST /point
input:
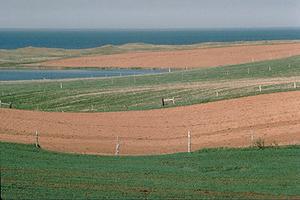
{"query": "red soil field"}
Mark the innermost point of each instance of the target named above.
(229, 123)
(195, 58)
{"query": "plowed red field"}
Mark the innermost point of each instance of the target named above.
(195, 58)
(230, 123)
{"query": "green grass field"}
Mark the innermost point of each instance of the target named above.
(270, 173)
(145, 91)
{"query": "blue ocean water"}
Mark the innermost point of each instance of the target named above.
(79, 39)
(9, 75)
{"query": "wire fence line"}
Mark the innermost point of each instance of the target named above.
(186, 144)
(5, 105)
(182, 96)
(197, 134)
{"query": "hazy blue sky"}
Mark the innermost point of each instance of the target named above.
(148, 13)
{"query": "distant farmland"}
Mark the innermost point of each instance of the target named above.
(186, 58)
(145, 91)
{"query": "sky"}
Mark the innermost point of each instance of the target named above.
(145, 14)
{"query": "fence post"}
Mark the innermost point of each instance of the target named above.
(61, 85)
(162, 101)
(252, 139)
(217, 93)
(270, 69)
(259, 87)
(189, 142)
(117, 147)
(0, 103)
(37, 145)
(248, 70)
(295, 86)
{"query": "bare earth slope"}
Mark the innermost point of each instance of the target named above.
(275, 117)
(202, 57)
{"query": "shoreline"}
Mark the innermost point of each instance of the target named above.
(194, 45)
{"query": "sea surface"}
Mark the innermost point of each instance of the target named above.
(79, 39)
(10, 75)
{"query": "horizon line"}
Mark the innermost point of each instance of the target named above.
(167, 28)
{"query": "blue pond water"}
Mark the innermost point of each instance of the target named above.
(9, 75)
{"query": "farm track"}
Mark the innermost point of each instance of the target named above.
(229, 123)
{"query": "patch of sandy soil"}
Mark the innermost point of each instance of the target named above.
(195, 58)
(229, 123)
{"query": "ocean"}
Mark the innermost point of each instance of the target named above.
(79, 39)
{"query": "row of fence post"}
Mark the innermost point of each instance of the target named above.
(189, 144)
(294, 86)
(118, 145)
(260, 88)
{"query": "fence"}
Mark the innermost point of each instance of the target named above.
(5, 105)
(198, 94)
(251, 139)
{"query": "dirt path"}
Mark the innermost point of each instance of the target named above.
(196, 58)
(275, 117)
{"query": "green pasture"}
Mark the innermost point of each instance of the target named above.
(250, 173)
(142, 92)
